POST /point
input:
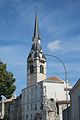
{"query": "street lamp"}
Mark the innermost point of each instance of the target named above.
(65, 76)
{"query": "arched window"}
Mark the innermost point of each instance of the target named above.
(41, 69)
(31, 69)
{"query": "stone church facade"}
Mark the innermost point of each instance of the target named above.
(43, 98)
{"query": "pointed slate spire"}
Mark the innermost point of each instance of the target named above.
(36, 28)
(36, 49)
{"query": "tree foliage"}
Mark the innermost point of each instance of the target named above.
(7, 80)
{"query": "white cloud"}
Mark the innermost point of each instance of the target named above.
(54, 45)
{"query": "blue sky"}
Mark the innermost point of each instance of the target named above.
(59, 24)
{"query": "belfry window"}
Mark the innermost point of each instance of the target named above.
(31, 69)
(41, 69)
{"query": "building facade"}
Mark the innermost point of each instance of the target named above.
(5, 108)
(44, 100)
(75, 101)
(15, 109)
(10, 109)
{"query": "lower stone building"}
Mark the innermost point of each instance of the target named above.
(73, 112)
(75, 101)
(10, 109)
(5, 108)
(16, 109)
(45, 100)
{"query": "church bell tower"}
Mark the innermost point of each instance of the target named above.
(36, 61)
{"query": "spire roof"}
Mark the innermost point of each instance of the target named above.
(36, 49)
(36, 28)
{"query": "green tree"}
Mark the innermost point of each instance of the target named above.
(7, 80)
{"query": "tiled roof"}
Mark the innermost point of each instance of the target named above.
(56, 79)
